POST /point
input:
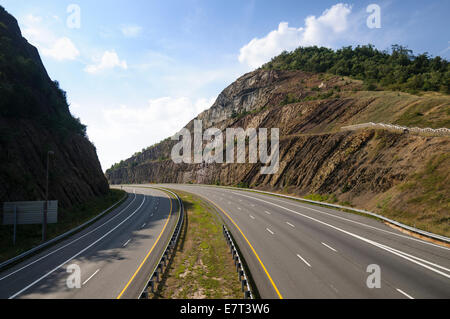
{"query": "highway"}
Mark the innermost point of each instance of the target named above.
(296, 250)
(115, 255)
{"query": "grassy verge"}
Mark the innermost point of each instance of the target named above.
(423, 200)
(202, 267)
(29, 236)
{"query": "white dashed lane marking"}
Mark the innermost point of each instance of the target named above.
(92, 276)
(329, 247)
(303, 259)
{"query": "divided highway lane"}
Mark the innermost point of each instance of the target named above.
(115, 255)
(296, 250)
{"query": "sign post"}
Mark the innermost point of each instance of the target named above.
(15, 225)
(29, 213)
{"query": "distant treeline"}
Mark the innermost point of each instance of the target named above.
(398, 69)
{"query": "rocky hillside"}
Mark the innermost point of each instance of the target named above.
(35, 119)
(401, 175)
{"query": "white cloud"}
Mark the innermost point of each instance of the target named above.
(41, 35)
(109, 60)
(131, 31)
(259, 51)
(62, 49)
(35, 32)
(135, 128)
(325, 30)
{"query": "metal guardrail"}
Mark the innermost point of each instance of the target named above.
(239, 266)
(168, 254)
(440, 131)
(58, 238)
(409, 228)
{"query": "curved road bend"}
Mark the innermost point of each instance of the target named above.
(115, 255)
(305, 251)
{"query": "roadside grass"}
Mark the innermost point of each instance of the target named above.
(202, 267)
(29, 236)
(424, 200)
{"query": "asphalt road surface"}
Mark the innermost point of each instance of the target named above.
(115, 256)
(296, 250)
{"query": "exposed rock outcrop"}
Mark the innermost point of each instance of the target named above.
(367, 168)
(35, 119)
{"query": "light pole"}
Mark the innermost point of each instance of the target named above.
(44, 223)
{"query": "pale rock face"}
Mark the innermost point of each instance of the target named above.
(316, 157)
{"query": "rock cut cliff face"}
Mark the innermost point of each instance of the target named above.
(371, 169)
(35, 119)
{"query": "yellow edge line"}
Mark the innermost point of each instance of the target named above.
(251, 247)
(148, 255)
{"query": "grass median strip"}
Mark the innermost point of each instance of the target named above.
(29, 236)
(202, 267)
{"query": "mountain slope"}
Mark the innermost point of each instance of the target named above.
(401, 175)
(35, 119)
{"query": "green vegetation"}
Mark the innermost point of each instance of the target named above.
(242, 185)
(26, 92)
(423, 200)
(322, 198)
(236, 115)
(116, 166)
(399, 69)
(290, 98)
(29, 236)
(203, 266)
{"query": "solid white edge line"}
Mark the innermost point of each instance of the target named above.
(92, 276)
(374, 243)
(404, 293)
(352, 221)
(79, 238)
(76, 255)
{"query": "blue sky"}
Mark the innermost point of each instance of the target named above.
(137, 71)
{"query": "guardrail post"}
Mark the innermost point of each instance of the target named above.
(244, 283)
(152, 285)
